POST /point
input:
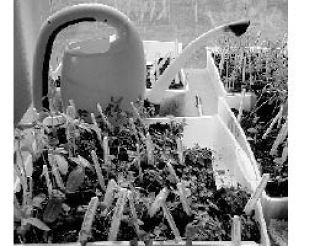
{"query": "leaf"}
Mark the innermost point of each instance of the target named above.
(37, 200)
(160, 198)
(17, 185)
(85, 126)
(252, 130)
(37, 223)
(52, 210)
(81, 161)
(75, 179)
(62, 163)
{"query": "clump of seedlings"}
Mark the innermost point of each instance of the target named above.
(155, 70)
(266, 128)
(118, 178)
(250, 63)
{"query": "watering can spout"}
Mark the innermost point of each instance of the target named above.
(237, 28)
(91, 78)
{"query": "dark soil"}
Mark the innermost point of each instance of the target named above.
(260, 120)
(212, 209)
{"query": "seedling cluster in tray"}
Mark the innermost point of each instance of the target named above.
(118, 178)
(248, 63)
(266, 128)
(157, 69)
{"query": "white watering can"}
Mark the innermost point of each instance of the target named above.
(91, 77)
(120, 71)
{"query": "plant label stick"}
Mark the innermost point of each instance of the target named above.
(180, 150)
(133, 128)
(30, 191)
(117, 215)
(171, 222)
(275, 119)
(133, 212)
(136, 112)
(55, 171)
(160, 198)
(73, 105)
(257, 194)
(199, 105)
(138, 158)
(88, 220)
(103, 116)
(284, 155)
(108, 196)
(236, 231)
(280, 138)
(48, 181)
(98, 170)
(106, 150)
(71, 112)
(150, 148)
(96, 127)
(172, 171)
(183, 198)
(241, 105)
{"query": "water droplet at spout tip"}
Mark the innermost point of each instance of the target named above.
(238, 28)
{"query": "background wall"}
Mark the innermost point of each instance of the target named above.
(167, 20)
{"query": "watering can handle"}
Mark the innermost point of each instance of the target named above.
(56, 23)
(157, 92)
